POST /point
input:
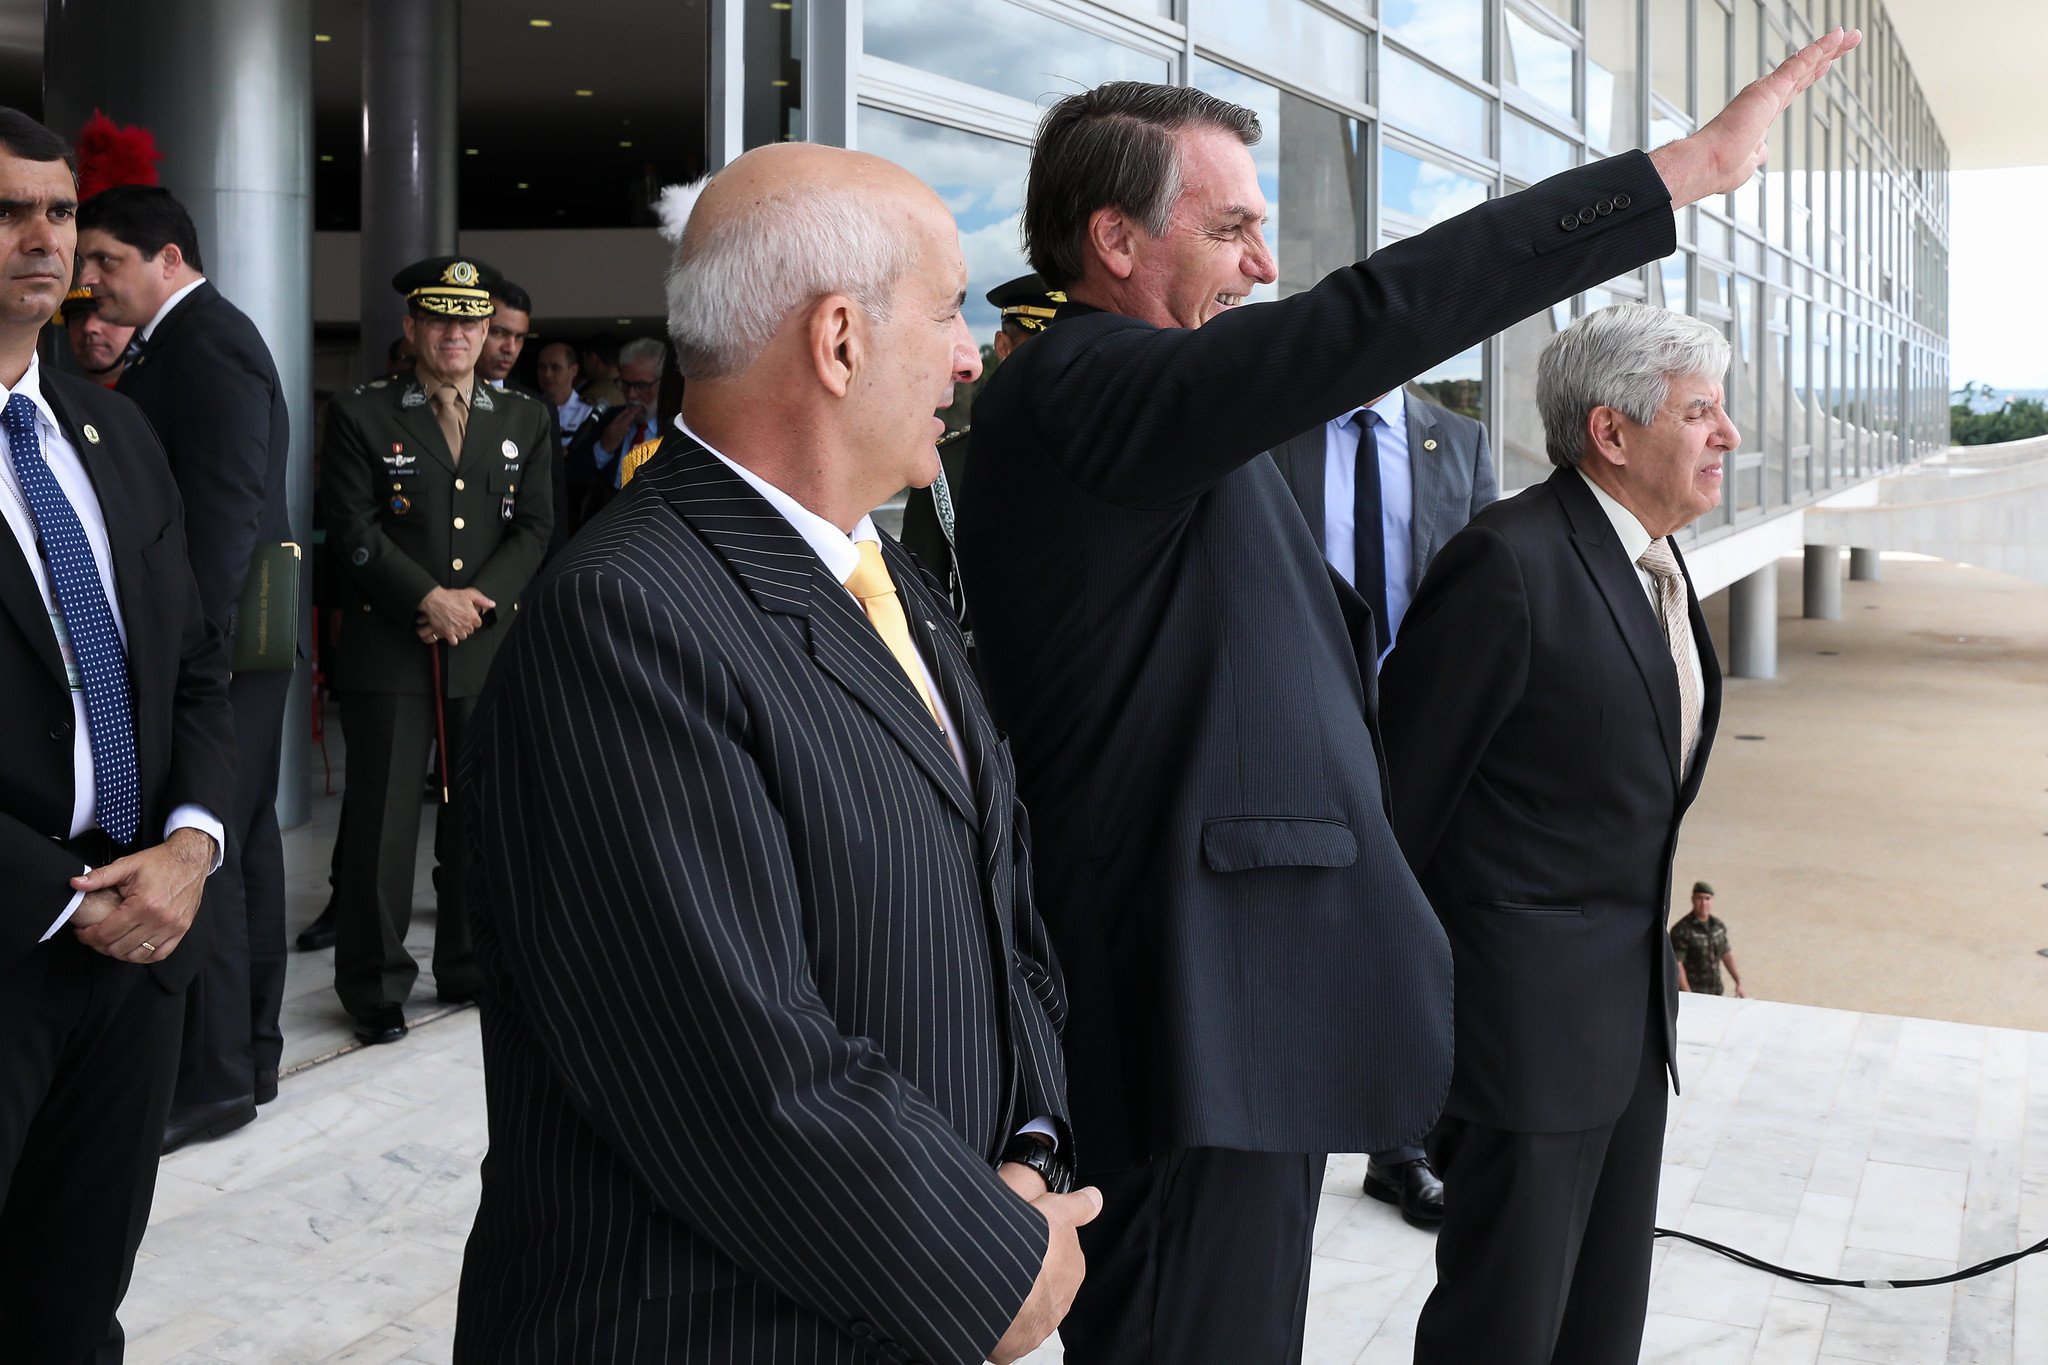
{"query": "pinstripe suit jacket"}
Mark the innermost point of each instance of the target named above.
(766, 993)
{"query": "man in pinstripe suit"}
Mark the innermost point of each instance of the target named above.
(770, 1024)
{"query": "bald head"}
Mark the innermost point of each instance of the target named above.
(779, 170)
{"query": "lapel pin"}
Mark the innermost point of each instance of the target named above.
(1429, 444)
(92, 433)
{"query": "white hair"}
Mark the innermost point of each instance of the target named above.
(734, 282)
(643, 348)
(1625, 358)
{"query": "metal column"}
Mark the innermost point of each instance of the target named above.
(1753, 624)
(1823, 583)
(411, 60)
(227, 88)
(1865, 566)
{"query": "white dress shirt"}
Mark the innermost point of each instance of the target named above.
(1636, 538)
(70, 474)
(841, 554)
(570, 415)
(1397, 502)
(172, 302)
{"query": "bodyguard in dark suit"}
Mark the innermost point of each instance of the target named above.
(116, 755)
(769, 1022)
(435, 491)
(1382, 487)
(206, 382)
(1549, 711)
(1256, 977)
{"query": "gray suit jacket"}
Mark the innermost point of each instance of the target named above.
(1451, 482)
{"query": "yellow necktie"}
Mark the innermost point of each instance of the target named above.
(877, 593)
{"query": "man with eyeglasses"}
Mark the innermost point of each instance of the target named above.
(595, 459)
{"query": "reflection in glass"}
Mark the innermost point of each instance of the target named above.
(981, 179)
(1000, 46)
(1450, 32)
(1749, 200)
(1523, 461)
(1667, 284)
(1310, 170)
(1314, 48)
(1423, 190)
(1612, 120)
(1668, 53)
(1713, 39)
(1529, 153)
(1416, 97)
(771, 108)
(1539, 63)
(1458, 384)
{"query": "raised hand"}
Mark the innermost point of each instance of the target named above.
(1722, 156)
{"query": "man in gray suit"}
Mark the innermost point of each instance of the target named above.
(1382, 487)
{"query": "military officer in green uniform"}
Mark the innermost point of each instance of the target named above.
(434, 491)
(1027, 306)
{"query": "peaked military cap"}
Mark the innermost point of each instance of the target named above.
(449, 286)
(80, 300)
(1027, 302)
(1702, 889)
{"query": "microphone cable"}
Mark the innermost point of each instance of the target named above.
(1805, 1277)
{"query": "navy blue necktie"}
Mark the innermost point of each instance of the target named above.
(89, 621)
(1369, 571)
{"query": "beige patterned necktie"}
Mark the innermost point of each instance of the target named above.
(1662, 565)
(453, 415)
(870, 582)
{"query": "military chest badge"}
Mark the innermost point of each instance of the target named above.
(505, 506)
(511, 449)
(400, 504)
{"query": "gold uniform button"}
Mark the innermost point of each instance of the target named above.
(458, 523)
(456, 565)
(458, 485)
(398, 488)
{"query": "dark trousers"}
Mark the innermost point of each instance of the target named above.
(1198, 1256)
(90, 1048)
(231, 1009)
(388, 738)
(1544, 1255)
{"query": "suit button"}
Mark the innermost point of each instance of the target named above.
(1570, 222)
(366, 606)
(1586, 216)
(1622, 201)
(61, 730)
(458, 523)
(458, 485)
(862, 1331)
(1604, 207)
(456, 565)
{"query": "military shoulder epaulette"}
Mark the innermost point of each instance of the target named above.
(509, 392)
(951, 437)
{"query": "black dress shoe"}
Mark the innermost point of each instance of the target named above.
(1413, 1186)
(197, 1122)
(266, 1086)
(320, 933)
(385, 1024)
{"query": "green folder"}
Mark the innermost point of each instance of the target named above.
(267, 622)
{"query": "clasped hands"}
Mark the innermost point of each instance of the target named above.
(451, 614)
(137, 908)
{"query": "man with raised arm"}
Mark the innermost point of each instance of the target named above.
(1256, 978)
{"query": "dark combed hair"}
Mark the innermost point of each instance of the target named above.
(512, 296)
(145, 217)
(22, 136)
(1112, 147)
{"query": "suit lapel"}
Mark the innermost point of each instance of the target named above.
(1301, 463)
(27, 606)
(784, 575)
(1428, 477)
(1600, 550)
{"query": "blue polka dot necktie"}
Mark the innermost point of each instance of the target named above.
(89, 621)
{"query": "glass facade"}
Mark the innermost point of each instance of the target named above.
(1828, 271)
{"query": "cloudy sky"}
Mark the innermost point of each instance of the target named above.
(1998, 279)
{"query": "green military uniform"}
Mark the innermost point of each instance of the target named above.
(1700, 948)
(1027, 306)
(404, 516)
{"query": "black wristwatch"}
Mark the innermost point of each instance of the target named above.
(1052, 1166)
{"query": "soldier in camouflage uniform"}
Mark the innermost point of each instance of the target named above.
(1701, 942)
(435, 494)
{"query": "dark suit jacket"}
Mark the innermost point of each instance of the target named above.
(1250, 961)
(766, 996)
(1449, 484)
(177, 667)
(208, 385)
(1532, 731)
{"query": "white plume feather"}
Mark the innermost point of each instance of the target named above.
(675, 204)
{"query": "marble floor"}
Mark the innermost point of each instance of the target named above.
(332, 1228)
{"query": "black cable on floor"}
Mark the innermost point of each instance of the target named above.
(1968, 1273)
